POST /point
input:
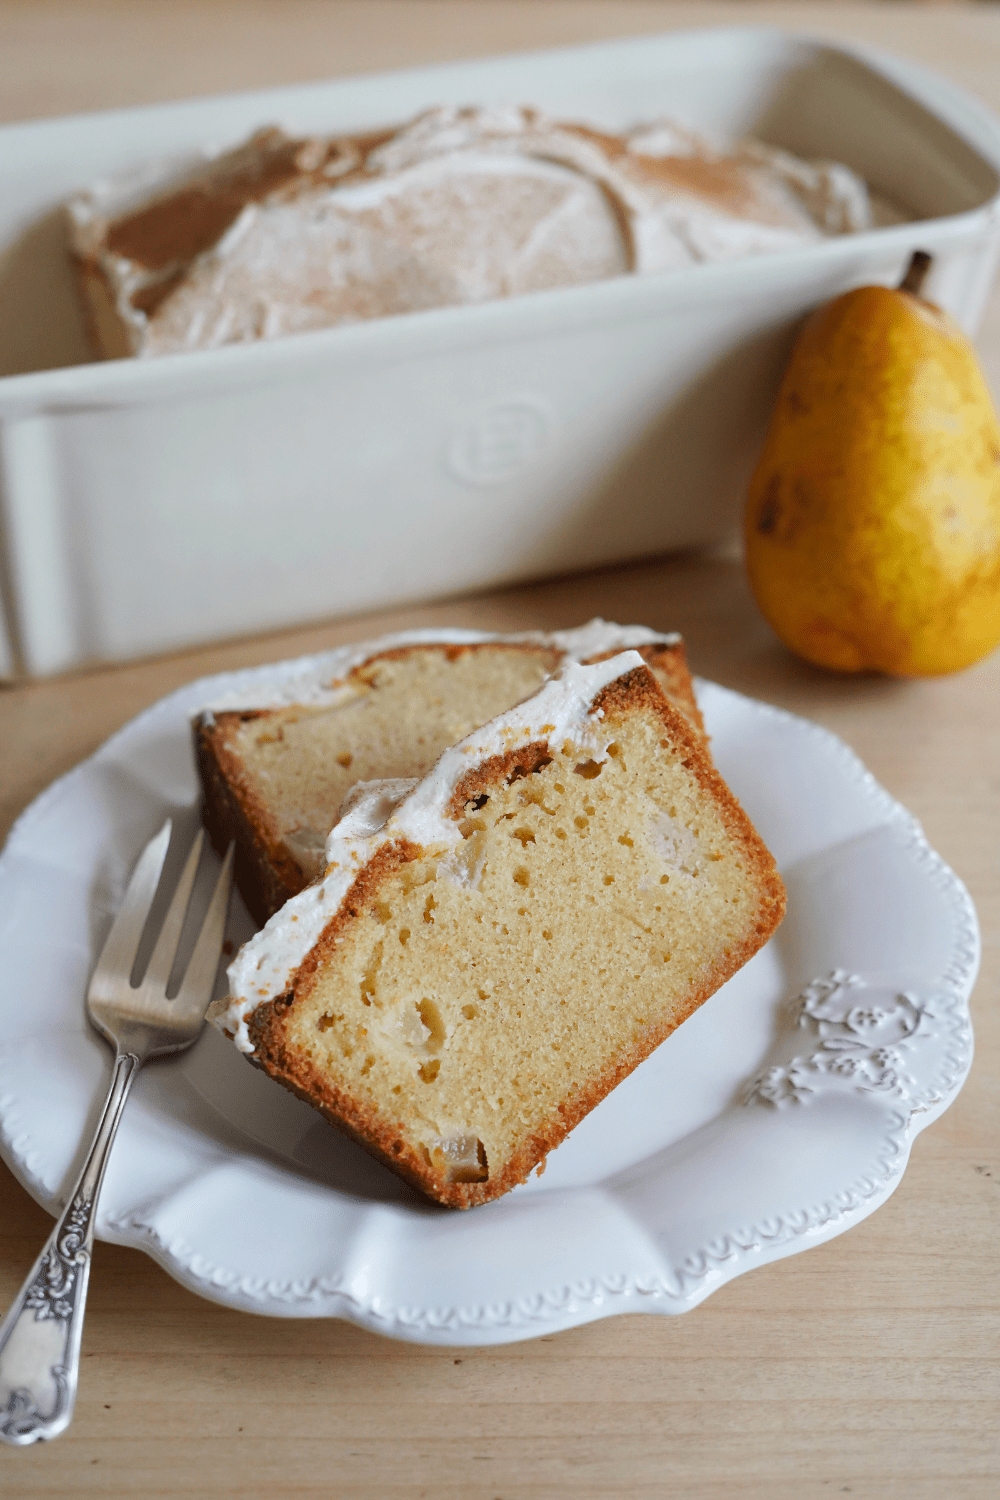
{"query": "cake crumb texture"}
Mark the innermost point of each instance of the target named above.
(469, 1004)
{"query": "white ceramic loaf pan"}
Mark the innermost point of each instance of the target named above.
(148, 505)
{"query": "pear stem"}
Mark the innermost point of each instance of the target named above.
(916, 272)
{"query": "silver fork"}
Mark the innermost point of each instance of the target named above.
(40, 1335)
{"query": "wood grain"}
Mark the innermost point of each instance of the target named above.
(867, 1366)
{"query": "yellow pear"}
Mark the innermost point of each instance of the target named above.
(873, 519)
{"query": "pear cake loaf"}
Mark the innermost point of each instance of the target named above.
(496, 946)
(274, 773)
(458, 206)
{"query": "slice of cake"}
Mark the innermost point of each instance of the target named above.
(274, 773)
(458, 206)
(493, 949)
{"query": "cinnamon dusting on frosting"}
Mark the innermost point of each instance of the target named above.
(459, 206)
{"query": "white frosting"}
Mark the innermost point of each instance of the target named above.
(662, 138)
(446, 232)
(369, 804)
(559, 711)
(669, 225)
(320, 680)
(460, 206)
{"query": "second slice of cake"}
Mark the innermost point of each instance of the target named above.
(493, 948)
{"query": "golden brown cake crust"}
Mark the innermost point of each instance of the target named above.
(635, 690)
(498, 770)
(232, 811)
(638, 687)
(670, 663)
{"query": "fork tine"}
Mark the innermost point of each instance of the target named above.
(162, 960)
(196, 991)
(118, 953)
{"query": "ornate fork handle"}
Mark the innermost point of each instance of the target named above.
(40, 1335)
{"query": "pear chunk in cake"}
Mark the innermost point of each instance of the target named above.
(494, 947)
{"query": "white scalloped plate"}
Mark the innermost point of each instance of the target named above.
(778, 1116)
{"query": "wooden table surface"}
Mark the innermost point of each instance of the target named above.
(867, 1366)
